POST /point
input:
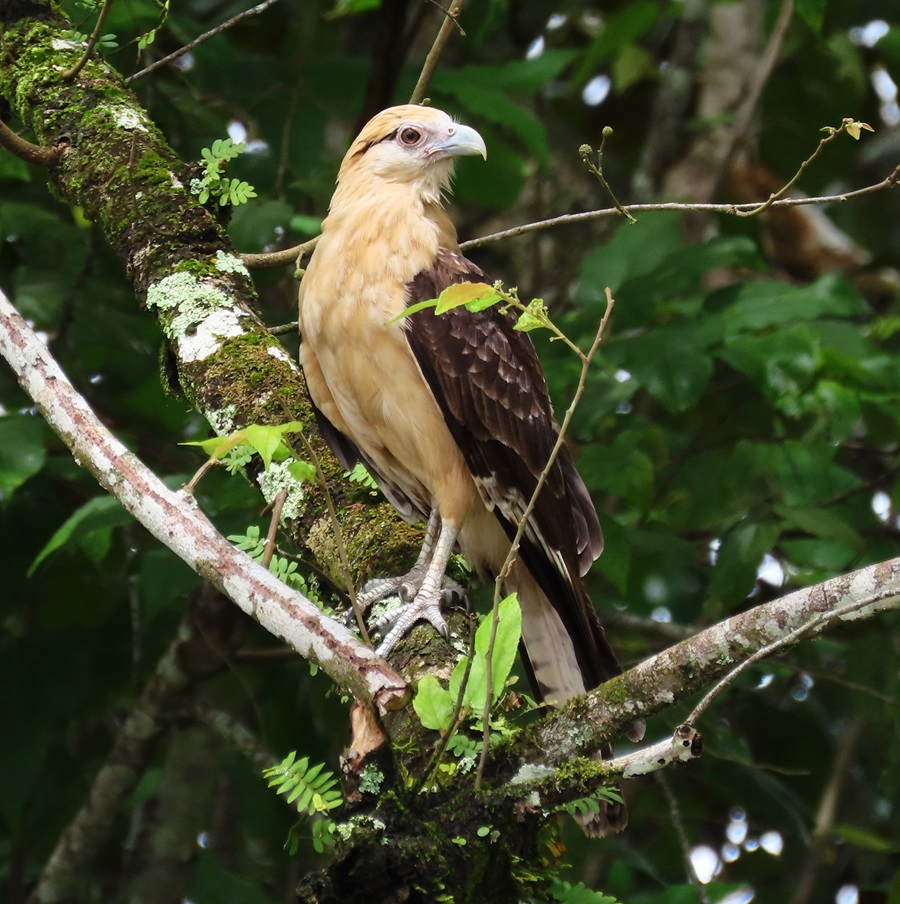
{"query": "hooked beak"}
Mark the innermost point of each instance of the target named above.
(460, 141)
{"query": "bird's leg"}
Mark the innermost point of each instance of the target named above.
(427, 603)
(406, 585)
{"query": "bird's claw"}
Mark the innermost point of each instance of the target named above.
(425, 607)
(406, 586)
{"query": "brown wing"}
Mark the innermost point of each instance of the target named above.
(488, 383)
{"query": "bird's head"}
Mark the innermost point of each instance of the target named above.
(410, 144)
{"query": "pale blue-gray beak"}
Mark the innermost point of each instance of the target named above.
(460, 141)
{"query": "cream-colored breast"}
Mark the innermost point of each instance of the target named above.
(371, 387)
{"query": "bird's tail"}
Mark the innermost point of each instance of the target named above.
(556, 673)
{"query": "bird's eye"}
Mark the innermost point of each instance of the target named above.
(410, 136)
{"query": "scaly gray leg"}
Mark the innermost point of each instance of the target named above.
(427, 602)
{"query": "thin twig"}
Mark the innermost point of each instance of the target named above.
(828, 809)
(289, 255)
(283, 329)
(678, 206)
(832, 134)
(762, 72)
(520, 532)
(200, 473)
(787, 640)
(587, 152)
(69, 74)
(269, 548)
(272, 259)
(25, 150)
(451, 21)
(253, 11)
(683, 840)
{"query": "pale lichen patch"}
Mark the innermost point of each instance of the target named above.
(281, 355)
(230, 263)
(192, 299)
(531, 773)
(276, 479)
(128, 118)
(207, 338)
(222, 419)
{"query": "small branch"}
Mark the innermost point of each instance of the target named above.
(174, 519)
(680, 207)
(523, 522)
(691, 665)
(586, 152)
(451, 21)
(269, 548)
(586, 776)
(285, 329)
(832, 134)
(762, 73)
(235, 734)
(46, 157)
(290, 255)
(200, 473)
(792, 637)
(828, 809)
(282, 258)
(69, 74)
(686, 744)
(253, 11)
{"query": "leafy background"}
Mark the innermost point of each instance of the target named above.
(739, 433)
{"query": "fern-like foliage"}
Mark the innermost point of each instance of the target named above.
(310, 789)
(213, 183)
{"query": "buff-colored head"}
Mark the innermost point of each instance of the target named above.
(410, 144)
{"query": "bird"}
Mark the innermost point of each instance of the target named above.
(450, 413)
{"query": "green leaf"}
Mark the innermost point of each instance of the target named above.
(22, 452)
(506, 645)
(466, 293)
(414, 309)
(266, 440)
(822, 522)
(759, 305)
(522, 76)
(302, 471)
(90, 526)
(577, 894)
(534, 317)
(671, 363)
(620, 29)
(432, 704)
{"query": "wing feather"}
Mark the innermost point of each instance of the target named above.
(488, 383)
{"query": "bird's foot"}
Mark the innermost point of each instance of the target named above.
(425, 606)
(404, 587)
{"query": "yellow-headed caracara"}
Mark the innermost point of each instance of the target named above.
(450, 413)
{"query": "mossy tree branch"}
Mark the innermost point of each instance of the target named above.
(118, 168)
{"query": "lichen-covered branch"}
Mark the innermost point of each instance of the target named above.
(697, 662)
(117, 167)
(174, 519)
